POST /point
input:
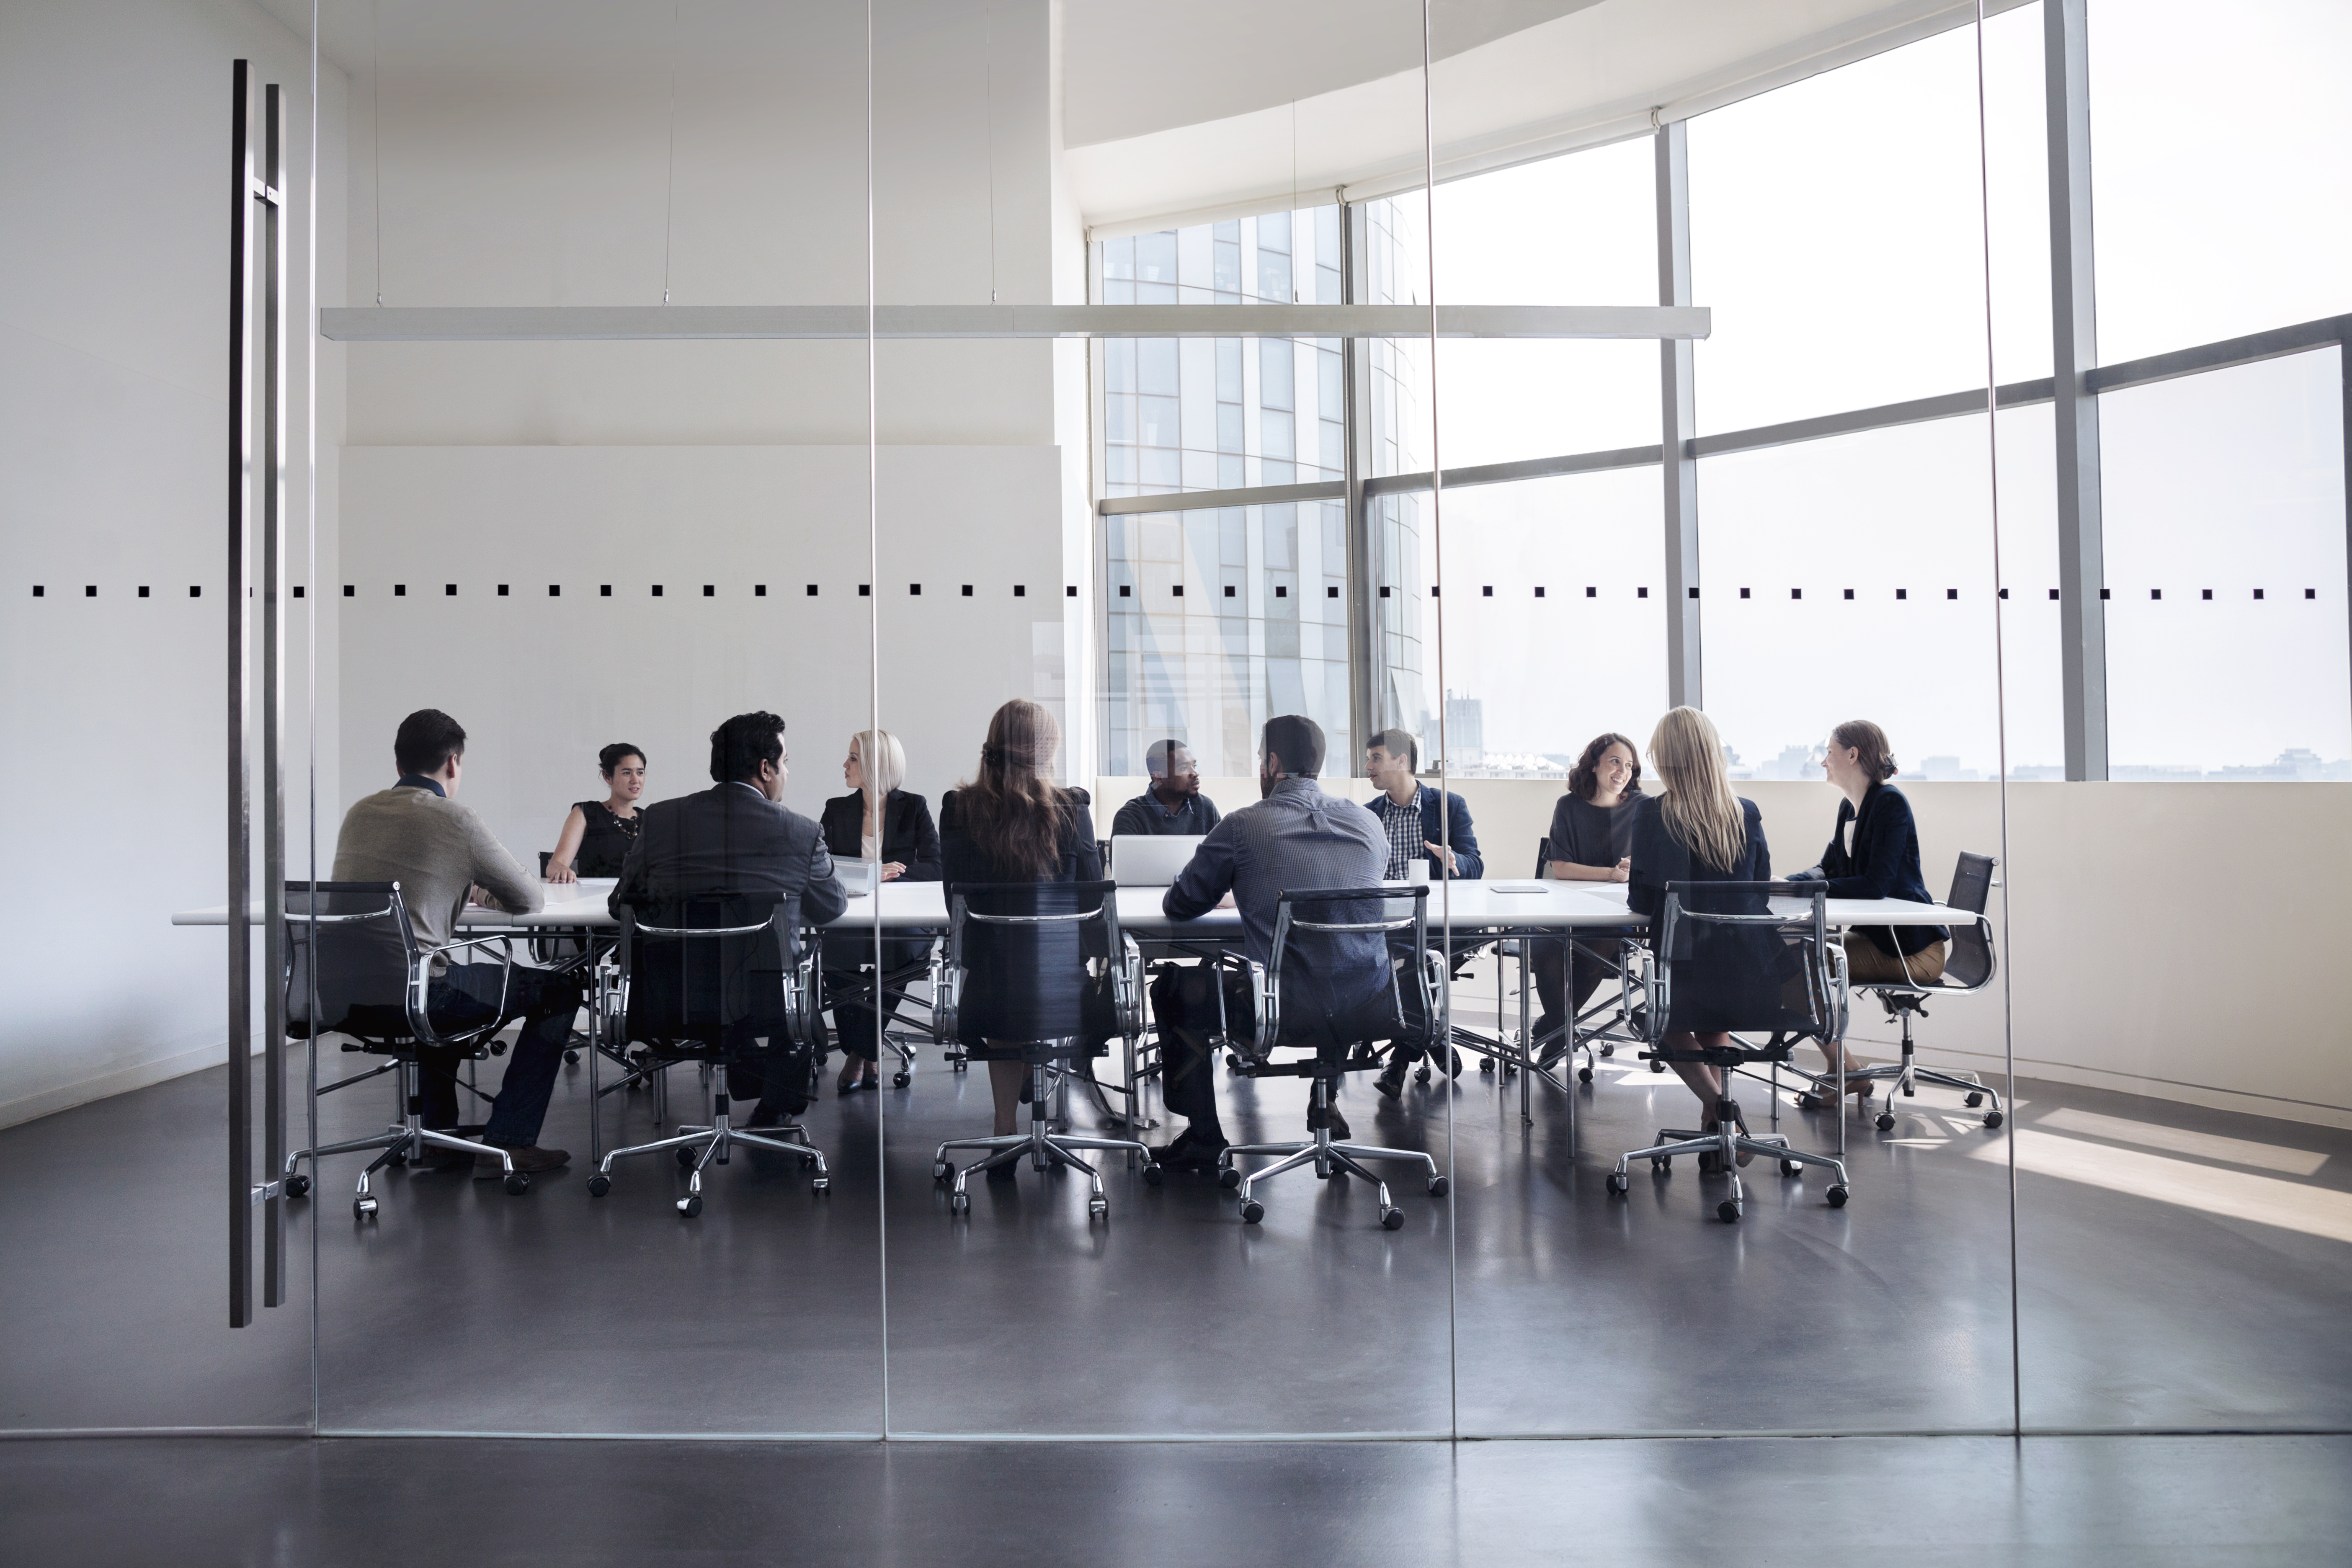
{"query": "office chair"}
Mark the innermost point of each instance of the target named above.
(351, 945)
(1037, 972)
(1738, 967)
(1968, 965)
(1338, 1040)
(724, 979)
(857, 985)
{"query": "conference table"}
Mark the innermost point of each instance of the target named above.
(1463, 915)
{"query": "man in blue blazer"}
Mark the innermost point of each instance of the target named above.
(1410, 811)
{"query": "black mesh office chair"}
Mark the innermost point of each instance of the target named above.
(1606, 1021)
(1297, 1010)
(1968, 965)
(1723, 961)
(1037, 972)
(353, 944)
(720, 977)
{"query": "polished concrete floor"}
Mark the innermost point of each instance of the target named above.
(2182, 1270)
(2144, 1502)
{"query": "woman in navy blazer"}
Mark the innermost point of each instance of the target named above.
(1878, 859)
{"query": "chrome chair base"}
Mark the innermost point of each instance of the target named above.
(700, 1147)
(1045, 1149)
(1907, 1075)
(400, 1144)
(1727, 1143)
(1328, 1159)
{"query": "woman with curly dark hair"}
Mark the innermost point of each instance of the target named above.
(596, 836)
(1591, 837)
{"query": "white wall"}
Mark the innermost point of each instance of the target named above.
(515, 176)
(113, 312)
(2156, 944)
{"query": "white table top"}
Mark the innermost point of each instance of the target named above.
(1475, 906)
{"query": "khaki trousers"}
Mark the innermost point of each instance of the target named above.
(1868, 963)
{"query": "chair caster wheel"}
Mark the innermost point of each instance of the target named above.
(1837, 1197)
(599, 1185)
(1486, 1066)
(1152, 1174)
(1993, 1119)
(1422, 1078)
(1098, 1208)
(297, 1185)
(1229, 1178)
(1657, 1067)
(820, 1184)
(690, 1205)
(363, 1208)
(1662, 1165)
(1792, 1168)
(1808, 1102)
(901, 1080)
(1392, 1219)
(1728, 1212)
(958, 1203)
(1439, 1186)
(942, 1170)
(396, 1160)
(1972, 1101)
(1886, 1121)
(1252, 1211)
(1585, 1075)
(1232, 1062)
(517, 1183)
(685, 1158)
(572, 1058)
(1618, 1184)
(960, 1065)
(1609, 1050)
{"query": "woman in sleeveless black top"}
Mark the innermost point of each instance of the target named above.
(596, 836)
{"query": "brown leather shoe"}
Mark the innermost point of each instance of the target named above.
(528, 1159)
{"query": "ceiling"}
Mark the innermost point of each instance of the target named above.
(1193, 107)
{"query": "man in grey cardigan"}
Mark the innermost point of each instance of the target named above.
(441, 854)
(738, 836)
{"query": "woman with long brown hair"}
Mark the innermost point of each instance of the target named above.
(1698, 831)
(1591, 838)
(1011, 823)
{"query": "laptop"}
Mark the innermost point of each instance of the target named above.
(858, 877)
(1150, 860)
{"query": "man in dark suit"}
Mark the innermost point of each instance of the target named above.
(738, 838)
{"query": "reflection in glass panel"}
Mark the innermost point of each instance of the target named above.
(1197, 414)
(588, 595)
(2211, 225)
(2223, 497)
(1835, 231)
(1216, 622)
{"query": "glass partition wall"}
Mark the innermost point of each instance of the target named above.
(591, 554)
(2103, 628)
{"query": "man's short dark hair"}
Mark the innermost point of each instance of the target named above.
(739, 746)
(426, 740)
(1159, 758)
(1397, 742)
(1299, 741)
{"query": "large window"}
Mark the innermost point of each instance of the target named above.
(2226, 634)
(2221, 144)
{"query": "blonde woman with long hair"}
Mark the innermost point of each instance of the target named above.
(890, 828)
(1696, 830)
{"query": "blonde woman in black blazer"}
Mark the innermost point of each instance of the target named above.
(879, 822)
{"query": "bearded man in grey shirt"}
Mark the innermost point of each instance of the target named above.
(442, 855)
(1296, 837)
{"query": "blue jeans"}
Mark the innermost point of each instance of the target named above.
(466, 997)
